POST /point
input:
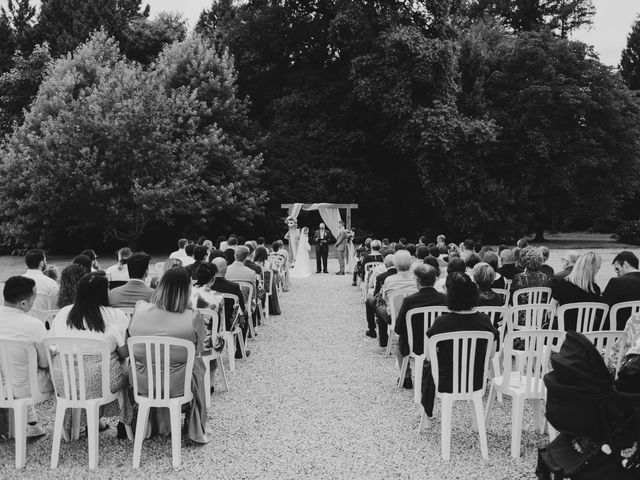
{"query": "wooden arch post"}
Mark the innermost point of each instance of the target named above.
(347, 206)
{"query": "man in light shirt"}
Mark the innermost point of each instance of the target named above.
(180, 254)
(135, 289)
(46, 288)
(19, 296)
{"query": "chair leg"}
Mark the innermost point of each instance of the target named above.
(93, 419)
(424, 422)
(553, 433)
(243, 345)
(207, 382)
(57, 435)
(76, 414)
(403, 370)
(231, 350)
(127, 428)
(418, 367)
(390, 333)
(482, 430)
(141, 430)
(495, 363)
(538, 422)
(446, 412)
(474, 419)
(20, 433)
(493, 391)
(516, 427)
(176, 436)
(224, 374)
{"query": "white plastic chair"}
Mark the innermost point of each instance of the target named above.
(464, 359)
(429, 314)
(18, 422)
(368, 270)
(532, 296)
(586, 315)
(249, 302)
(268, 278)
(211, 356)
(533, 316)
(156, 357)
(230, 337)
(494, 314)
(613, 313)
(605, 342)
(504, 295)
(72, 393)
(395, 302)
(525, 383)
(49, 315)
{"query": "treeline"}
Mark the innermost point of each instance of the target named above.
(436, 116)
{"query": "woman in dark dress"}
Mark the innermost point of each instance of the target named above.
(492, 259)
(579, 286)
(531, 259)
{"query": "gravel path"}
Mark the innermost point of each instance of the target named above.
(316, 399)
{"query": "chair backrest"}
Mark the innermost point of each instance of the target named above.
(128, 311)
(236, 301)
(532, 296)
(530, 317)
(533, 360)
(212, 315)
(499, 316)
(395, 302)
(605, 341)
(587, 313)
(267, 278)
(9, 350)
(429, 314)
(368, 270)
(464, 358)
(634, 306)
(277, 261)
(155, 354)
(49, 315)
(507, 284)
(247, 292)
(504, 295)
(74, 366)
(116, 283)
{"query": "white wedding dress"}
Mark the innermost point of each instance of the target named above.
(302, 268)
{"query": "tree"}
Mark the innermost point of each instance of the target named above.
(144, 39)
(109, 145)
(630, 61)
(16, 31)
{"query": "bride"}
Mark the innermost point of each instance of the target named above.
(302, 267)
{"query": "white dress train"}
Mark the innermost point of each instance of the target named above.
(302, 268)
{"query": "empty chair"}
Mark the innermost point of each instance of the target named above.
(530, 317)
(155, 356)
(12, 399)
(526, 382)
(467, 383)
(582, 317)
(77, 382)
(212, 321)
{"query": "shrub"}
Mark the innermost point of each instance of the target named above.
(629, 232)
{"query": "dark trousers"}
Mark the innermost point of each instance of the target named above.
(370, 309)
(322, 256)
(384, 320)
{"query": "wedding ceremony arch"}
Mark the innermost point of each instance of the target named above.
(330, 212)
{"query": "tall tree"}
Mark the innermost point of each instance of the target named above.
(630, 61)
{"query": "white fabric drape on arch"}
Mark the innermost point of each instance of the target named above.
(330, 216)
(294, 210)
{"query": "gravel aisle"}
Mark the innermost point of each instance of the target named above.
(316, 399)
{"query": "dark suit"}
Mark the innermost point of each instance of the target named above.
(322, 239)
(425, 297)
(128, 294)
(369, 304)
(622, 289)
(192, 268)
(368, 258)
(223, 285)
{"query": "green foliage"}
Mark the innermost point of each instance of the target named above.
(630, 61)
(144, 39)
(109, 145)
(629, 232)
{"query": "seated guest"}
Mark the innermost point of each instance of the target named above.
(200, 253)
(119, 272)
(509, 269)
(229, 255)
(91, 317)
(484, 275)
(422, 252)
(222, 243)
(83, 261)
(435, 253)
(93, 257)
(492, 259)
(466, 248)
(222, 285)
(180, 254)
(440, 278)
(69, 279)
(471, 261)
(623, 288)
(15, 324)
(46, 288)
(169, 264)
(188, 258)
(568, 260)
(456, 265)
(531, 259)
(232, 242)
(462, 297)
(261, 259)
(579, 286)
(135, 289)
(426, 296)
(401, 281)
(522, 243)
(373, 256)
(169, 315)
(545, 268)
(261, 242)
(411, 248)
(248, 262)
(370, 302)
(441, 244)
(238, 272)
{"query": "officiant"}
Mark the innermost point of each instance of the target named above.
(321, 238)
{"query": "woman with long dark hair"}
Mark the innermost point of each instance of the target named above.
(69, 279)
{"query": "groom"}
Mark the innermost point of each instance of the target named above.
(341, 247)
(321, 239)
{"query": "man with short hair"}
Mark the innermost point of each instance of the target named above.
(623, 288)
(232, 243)
(127, 295)
(15, 324)
(180, 254)
(46, 288)
(200, 253)
(373, 256)
(239, 272)
(93, 256)
(188, 251)
(370, 303)
(467, 249)
(426, 296)
(321, 239)
(249, 262)
(341, 247)
(568, 261)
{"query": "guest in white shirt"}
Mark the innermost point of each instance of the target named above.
(188, 258)
(95, 266)
(15, 324)
(119, 271)
(180, 254)
(46, 288)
